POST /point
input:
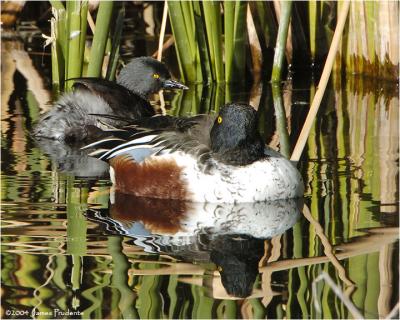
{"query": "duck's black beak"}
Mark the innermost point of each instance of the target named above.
(172, 84)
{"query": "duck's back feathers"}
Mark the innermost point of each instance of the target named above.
(70, 120)
(119, 98)
(76, 116)
(158, 135)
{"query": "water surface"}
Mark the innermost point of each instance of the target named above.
(69, 251)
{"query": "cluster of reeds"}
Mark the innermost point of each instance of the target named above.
(71, 55)
(223, 41)
(213, 38)
(371, 42)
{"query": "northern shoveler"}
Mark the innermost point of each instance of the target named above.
(201, 159)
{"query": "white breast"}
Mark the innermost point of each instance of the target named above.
(270, 179)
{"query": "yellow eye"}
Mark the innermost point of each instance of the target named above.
(156, 76)
(219, 119)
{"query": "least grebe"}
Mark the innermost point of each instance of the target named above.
(77, 116)
(201, 159)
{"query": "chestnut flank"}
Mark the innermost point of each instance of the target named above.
(153, 178)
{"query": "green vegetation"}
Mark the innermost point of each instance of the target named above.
(281, 40)
(366, 48)
(69, 43)
(212, 41)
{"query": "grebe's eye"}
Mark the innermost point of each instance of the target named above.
(219, 119)
(156, 76)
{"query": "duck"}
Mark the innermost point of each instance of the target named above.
(205, 158)
(78, 115)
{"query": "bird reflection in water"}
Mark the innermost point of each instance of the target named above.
(71, 160)
(229, 235)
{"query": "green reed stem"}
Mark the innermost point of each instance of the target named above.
(235, 36)
(280, 47)
(74, 58)
(322, 84)
(82, 44)
(61, 43)
(103, 20)
(281, 121)
(204, 56)
(212, 19)
(114, 55)
(182, 27)
(55, 55)
(268, 22)
(58, 5)
(312, 16)
(57, 58)
(229, 14)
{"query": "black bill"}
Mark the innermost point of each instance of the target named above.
(172, 84)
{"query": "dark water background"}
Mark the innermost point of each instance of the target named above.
(68, 252)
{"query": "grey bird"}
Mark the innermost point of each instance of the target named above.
(76, 116)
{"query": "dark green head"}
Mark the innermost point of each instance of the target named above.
(146, 75)
(234, 136)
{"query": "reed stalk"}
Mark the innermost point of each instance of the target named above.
(255, 49)
(74, 64)
(234, 40)
(116, 39)
(55, 54)
(84, 24)
(162, 31)
(280, 47)
(229, 15)
(322, 84)
(57, 4)
(185, 44)
(59, 47)
(312, 14)
(268, 24)
(204, 55)
(103, 20)
(212, 19)
(280, 115)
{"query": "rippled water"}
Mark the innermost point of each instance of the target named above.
(70, 250)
